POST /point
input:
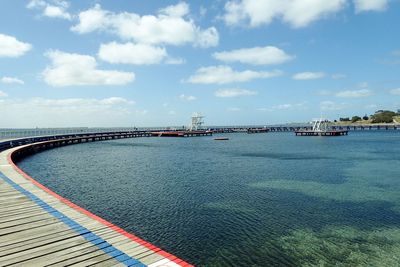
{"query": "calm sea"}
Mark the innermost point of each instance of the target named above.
(256, 200)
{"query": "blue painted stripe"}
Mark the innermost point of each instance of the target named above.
(82, 231)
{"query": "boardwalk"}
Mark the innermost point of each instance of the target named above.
(40, 228)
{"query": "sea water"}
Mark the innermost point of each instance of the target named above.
(256, 200)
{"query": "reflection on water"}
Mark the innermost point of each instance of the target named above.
(256, 200)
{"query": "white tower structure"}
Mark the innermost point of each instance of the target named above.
(197, 121)
(320, 125)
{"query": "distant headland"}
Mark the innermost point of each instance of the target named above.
(380, 116)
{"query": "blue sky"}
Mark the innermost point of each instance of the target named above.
(154, 63)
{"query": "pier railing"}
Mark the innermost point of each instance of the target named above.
(13, 137)
(66, 139)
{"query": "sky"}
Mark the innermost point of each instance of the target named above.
(154, 63)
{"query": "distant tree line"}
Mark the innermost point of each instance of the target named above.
(380, 116)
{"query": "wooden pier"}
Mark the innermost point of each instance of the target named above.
(257, 130)
(283, 128)
(321, 133)
(181, 133)
(39, 227)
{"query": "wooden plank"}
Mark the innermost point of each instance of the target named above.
(5, 190)
(31, 234)
(107, 263)
(22, 216)
(17, 206)
(45, 236)
(27, 210)
(76, 258)
(38, 243)
(135, 251)
(6, 195)
(23, 221)
(11, 199)
(66, 254)
(28, 254)
(30, 240)
(122, 244)
(146, 253)
(93, 260)
(28, 226)
(152, 258)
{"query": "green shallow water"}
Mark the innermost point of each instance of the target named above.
(256, 200)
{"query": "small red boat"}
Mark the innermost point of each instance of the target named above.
(221, 138)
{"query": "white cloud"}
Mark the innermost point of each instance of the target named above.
(267, 55)
(235, 92)
(68, 69)
(36, 4)
(130, 53)
(48, 112)
(308, 75)
(57, 8)
(206, 38)
(225, 74)
(73, 103)
(330, 105)
(116, 101)
(10, 80)
(3, 94)
(175, 61)
(56, 12)
(94, 19)
(370, 5)
(297, 13)
(354, 93)
(187, 97)
(11, 47)
(179, 10)
(170, 26)
(395, 91)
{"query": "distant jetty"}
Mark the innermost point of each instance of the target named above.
(181, 133)
(257, 130)
(321, 128)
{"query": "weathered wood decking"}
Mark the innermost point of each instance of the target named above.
(40, 228)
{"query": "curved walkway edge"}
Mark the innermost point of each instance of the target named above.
(39, 227)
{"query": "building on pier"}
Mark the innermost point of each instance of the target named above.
(321, 128)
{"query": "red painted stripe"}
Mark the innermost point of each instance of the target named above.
(97, 218)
